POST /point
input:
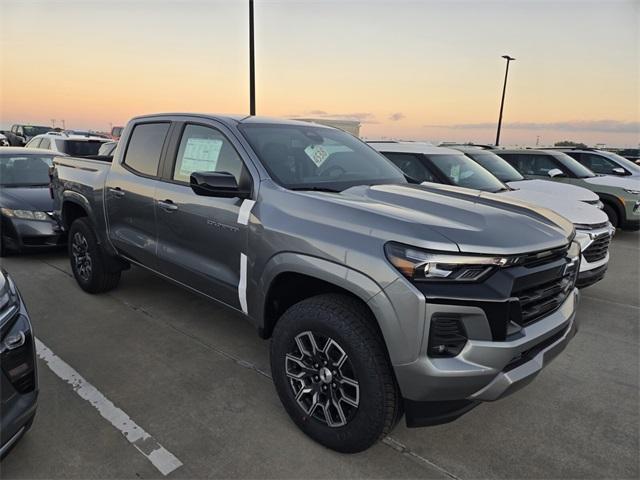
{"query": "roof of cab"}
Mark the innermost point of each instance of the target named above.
(230, 119)
(412, 147)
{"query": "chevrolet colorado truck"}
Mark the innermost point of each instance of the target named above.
(380, 298)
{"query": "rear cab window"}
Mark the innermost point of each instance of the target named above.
(145, 147)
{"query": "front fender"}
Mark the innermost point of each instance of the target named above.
(399, 334)
(69, 196)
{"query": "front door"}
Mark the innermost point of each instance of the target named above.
(202, 240)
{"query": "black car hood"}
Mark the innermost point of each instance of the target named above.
(26, 198)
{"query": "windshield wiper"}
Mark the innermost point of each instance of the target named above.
(316, 189)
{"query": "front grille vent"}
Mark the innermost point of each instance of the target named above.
(447, 336)
(598, 248)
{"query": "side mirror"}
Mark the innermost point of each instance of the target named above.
(216, 184)
(555, 172)
(619, 171)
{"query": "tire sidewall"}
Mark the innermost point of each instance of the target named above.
(369, 420)
(612, 213)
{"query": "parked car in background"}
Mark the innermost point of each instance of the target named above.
(116, 132)
(4, 141)
(437, 165)
(379, 296)
(107, 149)
(25, 201)
(14, 140)
(68, 144)
(603, 162)
(620, 195)
(502, 170)
(27, 132)
(19, 379)
(632, 154)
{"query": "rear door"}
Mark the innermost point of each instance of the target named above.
(130, 193)
(201, 239)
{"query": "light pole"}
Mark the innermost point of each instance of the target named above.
(504, 90)
(252, 64)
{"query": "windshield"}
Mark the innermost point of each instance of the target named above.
(24, 170)
(301, 157)
(32, 130)
(80, 148)
(464, 172)
(624, 162)
(499, 167)
(579, 170)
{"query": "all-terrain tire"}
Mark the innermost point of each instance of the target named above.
(346, 321)
(89, 263)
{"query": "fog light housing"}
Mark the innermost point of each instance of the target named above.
(447, 336)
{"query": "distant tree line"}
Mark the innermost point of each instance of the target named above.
(569, 143)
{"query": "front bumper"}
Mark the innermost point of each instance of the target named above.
(439, 390)
(21, 234)
(19, 397)
(482, 363)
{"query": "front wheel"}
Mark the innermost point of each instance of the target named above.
(332, 374)
(89, 263)
(612, 214)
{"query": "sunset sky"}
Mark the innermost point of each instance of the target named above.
(427, 70)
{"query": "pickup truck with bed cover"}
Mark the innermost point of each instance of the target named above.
(381, 298)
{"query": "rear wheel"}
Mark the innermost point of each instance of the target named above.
(89, 263)
(332, 373)
(612, 213)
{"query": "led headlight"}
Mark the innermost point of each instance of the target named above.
(24, 214)
(632, 192)
(600, 205)
(423, 265)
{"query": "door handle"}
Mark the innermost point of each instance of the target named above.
(167, 205)
(116, 192)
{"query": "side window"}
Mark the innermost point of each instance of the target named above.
(205, 149)
(45, 143)
(145, 146)
(411, 165)
(541, 164)
(598, 163)
(33, 143)
(520, 162)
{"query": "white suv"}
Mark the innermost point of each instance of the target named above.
(68, 143)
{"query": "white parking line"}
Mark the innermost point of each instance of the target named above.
(159, 456)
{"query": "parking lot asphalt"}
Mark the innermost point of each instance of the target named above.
(196, 377)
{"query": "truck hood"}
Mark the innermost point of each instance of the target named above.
(26, 198)
(567, 191)
(614, 181)
(475, 222)
(578, 213)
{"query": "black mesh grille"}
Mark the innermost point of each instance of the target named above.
(598, 249)
(542, 299)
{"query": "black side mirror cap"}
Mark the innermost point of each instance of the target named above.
(217, 184)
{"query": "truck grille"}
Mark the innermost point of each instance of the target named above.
(544, 298)
(598, 249)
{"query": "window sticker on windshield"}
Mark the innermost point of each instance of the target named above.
(200, 155)
(317, 154)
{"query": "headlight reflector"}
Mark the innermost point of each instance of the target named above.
(423, 265)
(25, 214)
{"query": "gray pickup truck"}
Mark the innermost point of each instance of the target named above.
(381, 298)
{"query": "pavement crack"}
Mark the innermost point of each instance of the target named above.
(612, 302)
(223, 353)
(61, 270)
(406, 451)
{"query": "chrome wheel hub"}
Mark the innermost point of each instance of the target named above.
(81, 257)
(322, 379)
